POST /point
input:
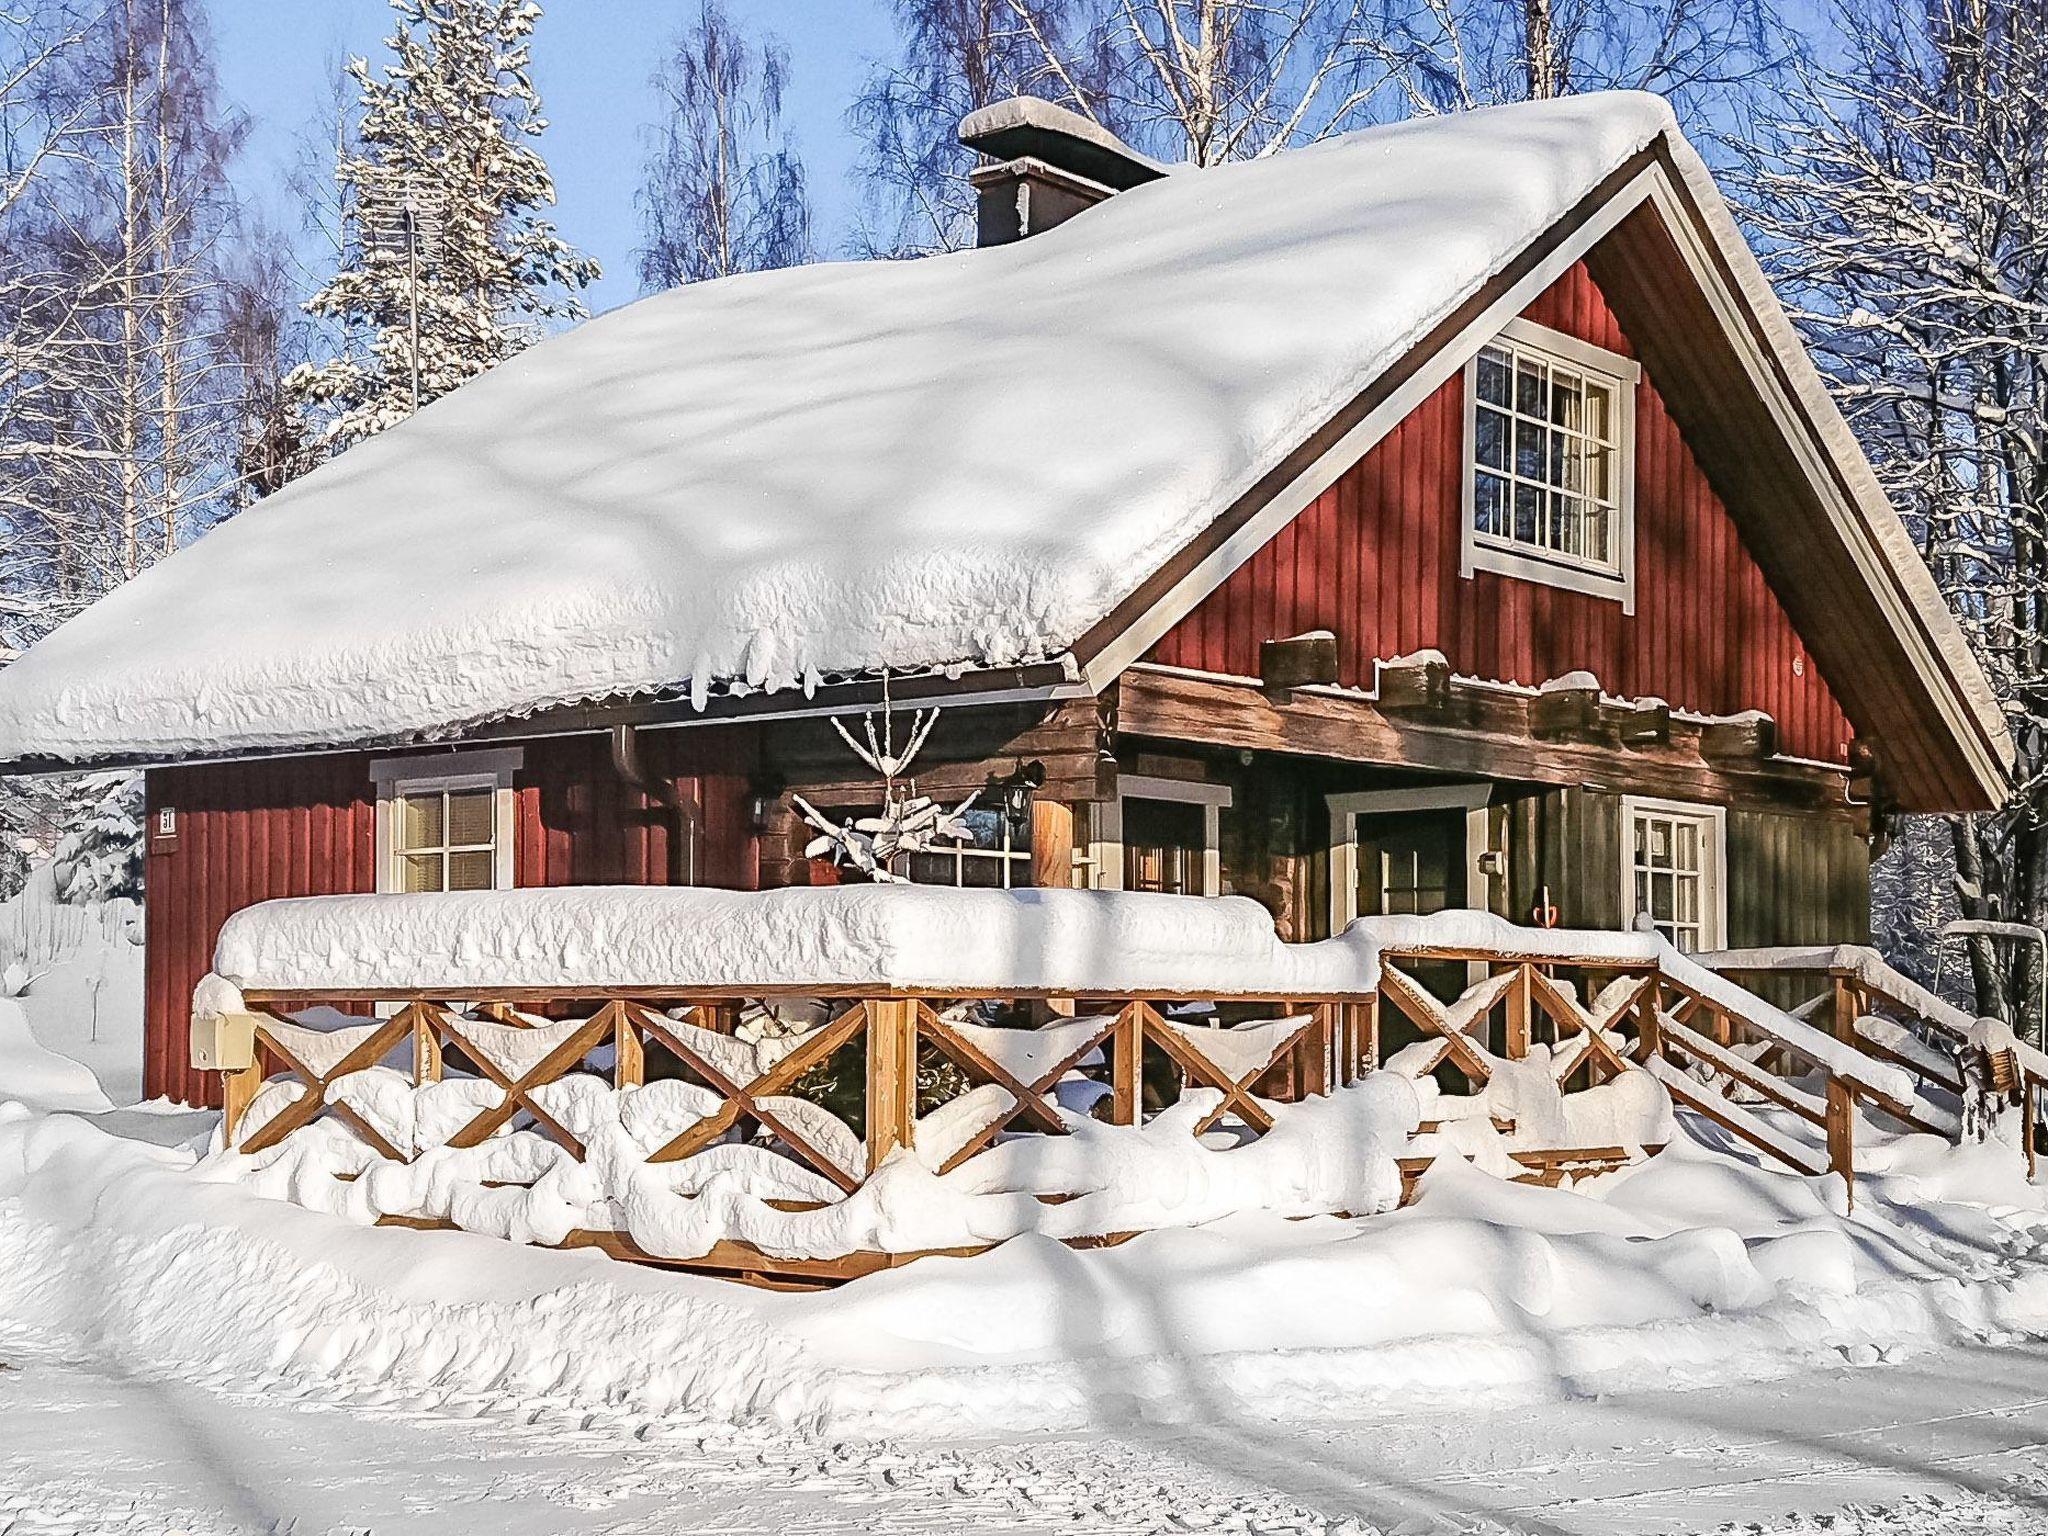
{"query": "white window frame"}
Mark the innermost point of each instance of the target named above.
(1015, 863)
(1345, 809)
(1504, 557)
(1712, 821)
(398, 777)
(1106, 837)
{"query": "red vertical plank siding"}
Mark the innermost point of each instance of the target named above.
(1707, 634)
(250, 832)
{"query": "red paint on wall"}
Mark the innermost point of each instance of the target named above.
(306, 826)
(1375, 559)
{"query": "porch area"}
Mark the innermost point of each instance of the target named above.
(796, 1088)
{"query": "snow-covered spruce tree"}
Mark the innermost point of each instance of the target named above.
(1902, 197)
(100, 857)
(447, 129)
(723, 190)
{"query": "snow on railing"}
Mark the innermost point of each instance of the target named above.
(1963, 1067)
(816, 1083)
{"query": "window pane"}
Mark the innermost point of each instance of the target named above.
(470, 817)
(1493, 376)
(1493, 432)
(420, 872)
(1490, 504)
(1599, 473)
(1528, 513)
(419, 821)
(1532, 450)
(1163, 842)
(470, 871)
(1600, 413)
(1567, 392)
(1529, 389)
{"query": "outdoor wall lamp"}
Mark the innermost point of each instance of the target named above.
(1014, 791)
(764, 794)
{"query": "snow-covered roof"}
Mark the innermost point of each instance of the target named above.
(953, 463)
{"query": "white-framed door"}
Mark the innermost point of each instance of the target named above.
(1203, 805)
(1345, 810)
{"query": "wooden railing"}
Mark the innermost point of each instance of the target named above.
(873, 1072)
(1853, 992)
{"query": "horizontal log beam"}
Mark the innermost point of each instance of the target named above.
(1482, 731)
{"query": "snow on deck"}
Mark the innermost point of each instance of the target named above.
(600, 939)
(960, 461)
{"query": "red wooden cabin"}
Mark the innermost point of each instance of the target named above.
(1583, 608)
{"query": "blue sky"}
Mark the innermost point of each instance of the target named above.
(592, 60)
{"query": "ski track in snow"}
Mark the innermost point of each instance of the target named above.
(1948, 1444)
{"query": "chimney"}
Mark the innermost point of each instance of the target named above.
(1042, 165)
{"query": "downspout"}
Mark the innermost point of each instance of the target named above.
(682, 843)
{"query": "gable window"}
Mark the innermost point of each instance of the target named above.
(1549, 462)
(445, 823)
(1674, 857)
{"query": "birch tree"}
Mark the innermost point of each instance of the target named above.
(446, 132)
(1453, 55)
(723, 190)
(1202, 81)
(1903, 198)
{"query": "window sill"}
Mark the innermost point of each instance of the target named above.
(1531, 567)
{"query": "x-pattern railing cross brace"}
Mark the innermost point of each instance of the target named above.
(1030, 1097)
(1200, 1069)
(745, 1099)
(518, 1091)
(367, 1053)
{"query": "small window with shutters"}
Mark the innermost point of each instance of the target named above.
(445, 831)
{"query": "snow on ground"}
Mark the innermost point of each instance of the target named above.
(82, 999)
(1696, 1344)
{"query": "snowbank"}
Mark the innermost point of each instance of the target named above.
(1696, 1268)
(33, 1075)
(754, 482)
(1327, 1154)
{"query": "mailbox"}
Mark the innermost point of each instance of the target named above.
(223, 1042)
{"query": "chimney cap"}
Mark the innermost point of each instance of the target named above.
(1032, 126)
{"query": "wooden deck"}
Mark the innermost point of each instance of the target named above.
(1718, 1051)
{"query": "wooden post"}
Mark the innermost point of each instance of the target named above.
(237, 1090)
(1052, 844)
(2030, 1118)
(1841, 1126)
(426, 1046)
(1516, 1046)
(1369, 1035)
(1846, 1011)
(1127, 1066)
(892, 1077)
(1314, 1053)
(629, 1051)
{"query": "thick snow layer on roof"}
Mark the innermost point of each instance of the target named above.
(958, 461)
